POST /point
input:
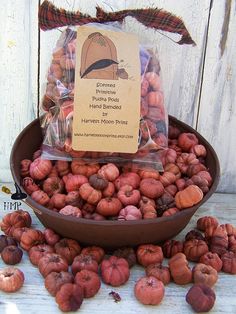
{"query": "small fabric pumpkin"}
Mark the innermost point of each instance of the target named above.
(188, 197)
(115, 271)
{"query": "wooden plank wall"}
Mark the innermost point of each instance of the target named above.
(18, 73)
(199, 82)
(217, 108)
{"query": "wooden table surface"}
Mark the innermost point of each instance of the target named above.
(33, 297)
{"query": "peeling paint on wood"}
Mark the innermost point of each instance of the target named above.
(217, 115)
(225, 26)
(18, 71)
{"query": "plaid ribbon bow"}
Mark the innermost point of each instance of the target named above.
(51, 17)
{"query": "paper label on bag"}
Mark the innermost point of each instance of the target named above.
(107, 91)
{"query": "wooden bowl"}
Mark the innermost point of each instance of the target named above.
(109, 234)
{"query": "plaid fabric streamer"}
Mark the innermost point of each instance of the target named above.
(51, 17)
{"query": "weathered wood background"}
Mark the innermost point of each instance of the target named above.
(199, 82)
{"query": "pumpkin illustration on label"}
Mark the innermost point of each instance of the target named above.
(99, 59)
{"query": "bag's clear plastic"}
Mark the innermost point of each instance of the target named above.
(58, 104)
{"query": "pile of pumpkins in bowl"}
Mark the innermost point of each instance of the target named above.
(112, 205)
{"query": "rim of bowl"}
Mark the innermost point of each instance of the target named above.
(40, 210)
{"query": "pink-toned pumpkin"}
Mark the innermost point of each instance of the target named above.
(29, 185)
(115, 271)
(149, 290)
(71, 211)
(187, 140)
(40, 168)
(53, 185)
(128, 178)
(109, 190)
(40, 197)
(109, 172)
(74, 182)
(128, 196)
(130, 212)
(57, 201)
(151, 188)
(25, 167)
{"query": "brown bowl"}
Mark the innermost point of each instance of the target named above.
(109, 234)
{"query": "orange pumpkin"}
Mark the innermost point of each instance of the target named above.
(80, 167)
(173, 168)
(30, 238)
(179, 269)
(194, 249)
(149, 254)
(149, 173)
(109, 206)
(89, 194)
(17, 219)
(188, 197)
(74, 182)
(167, 178)
(204, 222)
(159, 271)
(170, 211)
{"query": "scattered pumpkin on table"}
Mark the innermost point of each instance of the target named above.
(68, 249)
(149, 290)
(11, 279)
(84, 282)
(54, 280)
(38, 251)
(17, 219)
(89, 281)
(52, 262)
(179, 269)
(160, 272)
(205, 274)
(30, 238)
(211, 259)
(149, 254)
(6, 241)
(194, 249)
(201, 298)
(115, 271)
(11, 255)
(17, 233)
(171, 247)
(82, 261)
(51, 237)
(69, 297)
(97, 253)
